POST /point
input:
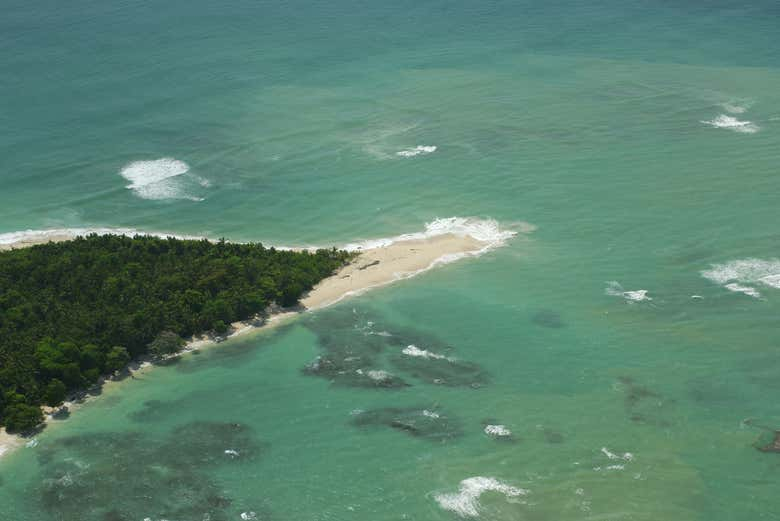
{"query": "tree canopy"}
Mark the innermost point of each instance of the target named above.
(75, 310)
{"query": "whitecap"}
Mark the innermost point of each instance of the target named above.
(248, 516)
(430, 414)
(232, 453)
(416, 151)
(499, 431)
(614, 289)
(465, 502)
(732, 123)
(161, 179)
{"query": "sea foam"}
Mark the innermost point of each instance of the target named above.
(465, 502)
(734, 108)
(732, 123)
(417, 151)
(160, 179)
(741, 276)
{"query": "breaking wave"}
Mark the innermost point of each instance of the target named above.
(27, 237)
(741, 276)
(614, 289)
(160, 179)
(732, 123)
(417, 151)
(465, 502)
(499, 431)
(413, 350)
(483, 230)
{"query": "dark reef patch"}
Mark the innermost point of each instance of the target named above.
(552, 437)
(152, 411)
(769, 441)
(644, 405)
(349, 371)
(208, 443)
(419, 422)
(357, 349)
(129, 476)
(441, 371)
(547, 318)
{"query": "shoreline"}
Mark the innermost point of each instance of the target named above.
(378, 263)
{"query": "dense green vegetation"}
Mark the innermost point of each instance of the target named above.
(73, 311)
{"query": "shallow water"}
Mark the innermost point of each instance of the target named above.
(607, 127)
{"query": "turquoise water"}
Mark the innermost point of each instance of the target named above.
(590, 122)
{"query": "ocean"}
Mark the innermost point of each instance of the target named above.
(615, 363)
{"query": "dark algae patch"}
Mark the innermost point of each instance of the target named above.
(75, 310)
(129, 476)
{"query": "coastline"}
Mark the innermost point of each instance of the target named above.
(378, 263)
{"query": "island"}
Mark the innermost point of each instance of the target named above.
(73, 311)
(81, 307)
